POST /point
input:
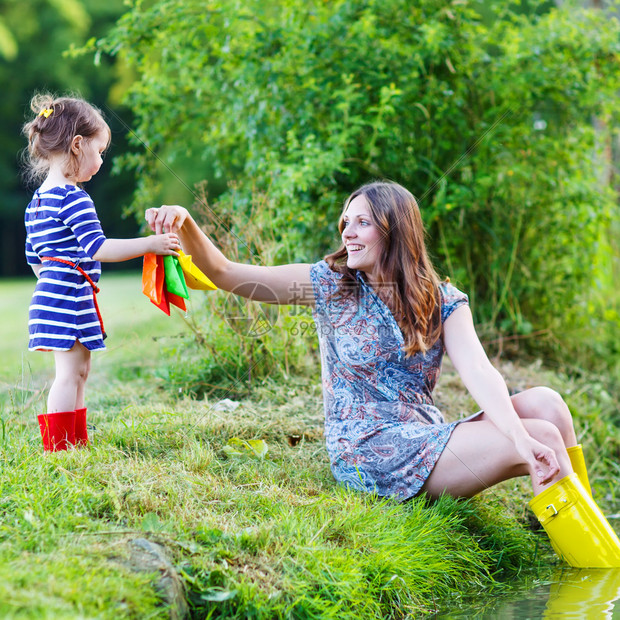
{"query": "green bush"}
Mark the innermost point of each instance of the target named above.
(234, 343)
(498, 116)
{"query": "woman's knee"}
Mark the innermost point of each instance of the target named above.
(543, 403)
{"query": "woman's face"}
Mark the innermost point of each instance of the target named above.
(362, 238)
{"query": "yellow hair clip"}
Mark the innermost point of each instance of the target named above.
(46, 112)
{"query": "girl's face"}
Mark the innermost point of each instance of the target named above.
(362, 238)
(90, 155)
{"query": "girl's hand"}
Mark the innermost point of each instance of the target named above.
(168, 218)
(541, 459)
(167, 244)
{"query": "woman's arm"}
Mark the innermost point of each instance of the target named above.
(284, 284)
(117, 250)
(489, 390)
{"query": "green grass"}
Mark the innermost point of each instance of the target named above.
(137, 333)
(259, 537)
(253, 534)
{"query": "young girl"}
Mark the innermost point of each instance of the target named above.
(384, 321)
(65, 246)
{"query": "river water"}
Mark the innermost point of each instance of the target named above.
(570, 593)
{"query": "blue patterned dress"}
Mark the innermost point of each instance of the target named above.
(383, 432)
(61, 222)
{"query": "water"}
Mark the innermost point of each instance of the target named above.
(570, 594)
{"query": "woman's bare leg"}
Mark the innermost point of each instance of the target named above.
(478, 456)
(543, 403)
(71, 373)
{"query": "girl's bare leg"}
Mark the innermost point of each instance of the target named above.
(478, 456)
(67, 390)
(79, 398)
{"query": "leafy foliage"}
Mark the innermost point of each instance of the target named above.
(232, 343)
(34, 39)
(498, 116)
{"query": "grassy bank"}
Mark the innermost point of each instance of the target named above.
(243, 500)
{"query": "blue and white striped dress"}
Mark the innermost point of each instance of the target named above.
(61, 222)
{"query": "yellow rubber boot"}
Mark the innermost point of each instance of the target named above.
(578, 530)
(575, 453)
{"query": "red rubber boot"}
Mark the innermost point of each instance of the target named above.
(81, 434)
(57, 430)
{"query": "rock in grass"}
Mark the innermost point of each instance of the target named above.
(226, 405)
(150, 557)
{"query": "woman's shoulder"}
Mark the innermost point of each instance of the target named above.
(321, 272)
(448, 290)
(451, 299)
(324, 281)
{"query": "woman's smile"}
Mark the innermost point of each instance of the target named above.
(354, 248)
(361, 237)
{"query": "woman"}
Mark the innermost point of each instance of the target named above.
(384, 321)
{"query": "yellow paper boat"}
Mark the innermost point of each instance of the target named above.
(194, 278)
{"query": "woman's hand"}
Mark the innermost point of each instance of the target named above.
(168, 218)
(540, 459)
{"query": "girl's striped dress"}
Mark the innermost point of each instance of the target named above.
(61, 222)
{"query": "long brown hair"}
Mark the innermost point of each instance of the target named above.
(50, 133)
(404, 268)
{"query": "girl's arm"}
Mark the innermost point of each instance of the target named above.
(117, 250)
(489, 390)
(285, 284)
(36, 268)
